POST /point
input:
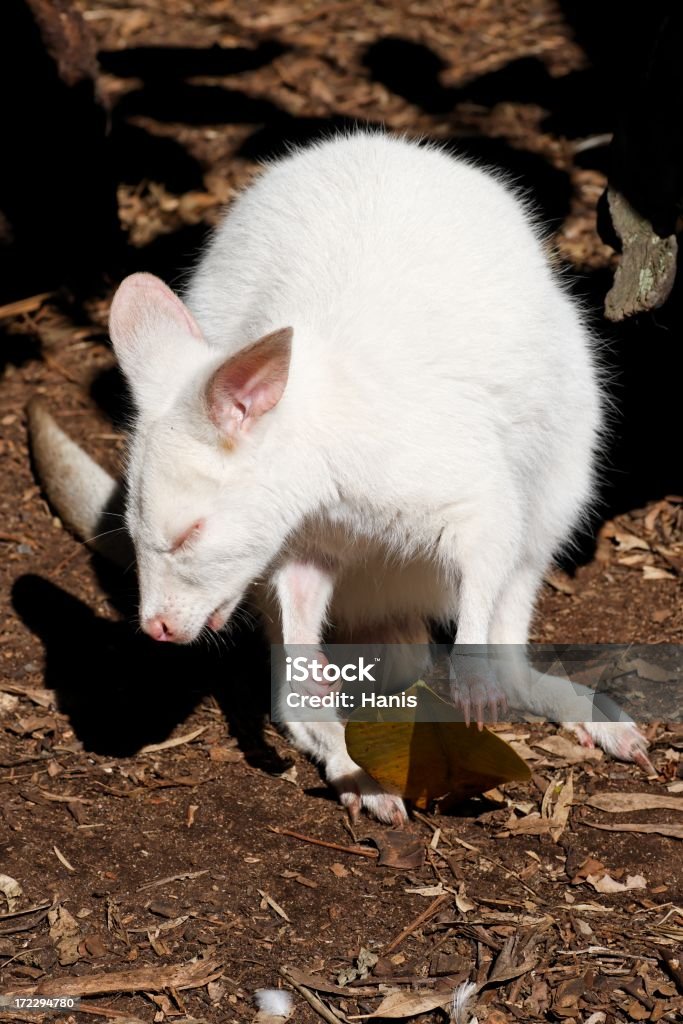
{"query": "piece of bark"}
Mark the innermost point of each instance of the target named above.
(66, 38)
(142, 979)
(647, 268)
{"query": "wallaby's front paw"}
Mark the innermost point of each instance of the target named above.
(622, 740)
(476, 691)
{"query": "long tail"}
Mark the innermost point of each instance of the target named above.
(85, 497)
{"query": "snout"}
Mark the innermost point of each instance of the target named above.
(164, 629)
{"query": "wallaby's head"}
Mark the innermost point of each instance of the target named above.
(203, 508)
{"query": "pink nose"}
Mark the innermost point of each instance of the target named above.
(158, 629)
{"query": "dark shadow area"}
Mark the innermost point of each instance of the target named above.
(18, 349)
(643, 366)
(636, 52)
(577, 103)
(138, 155)
(110, 392)
(122, 690)
(276, 136)
(170, 256)
(155, 63)
(195, 104)
(57, 191)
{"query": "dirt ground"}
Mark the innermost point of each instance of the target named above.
(146, 805)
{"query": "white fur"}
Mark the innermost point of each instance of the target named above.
(463, 997)
(274, 1002)
(434, 444)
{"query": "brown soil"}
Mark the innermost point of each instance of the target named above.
(167, 856)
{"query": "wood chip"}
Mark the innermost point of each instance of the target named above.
(273, 905)
(62, 859)
(176, 741)
(180, 877)
(23, 306)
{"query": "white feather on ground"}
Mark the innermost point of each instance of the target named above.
(463, 997)
(274, 1002)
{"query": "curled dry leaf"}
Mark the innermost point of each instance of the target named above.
(650, 671)
(425, 753)
(608, 885)
(517, 957)
(552, 820)
(427, 890)
(8, 703)
(11, 890)
(397, 848)
(571, 753)
(65, 934)
(652, 572)
(398, 1005)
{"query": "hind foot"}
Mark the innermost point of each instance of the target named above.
(622, 740)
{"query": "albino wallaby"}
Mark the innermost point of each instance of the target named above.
(376, 396)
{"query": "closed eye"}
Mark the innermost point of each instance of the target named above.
(186, 537)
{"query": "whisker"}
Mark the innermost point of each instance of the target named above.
(105, 533)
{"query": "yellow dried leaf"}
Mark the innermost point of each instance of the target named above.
(425, 753)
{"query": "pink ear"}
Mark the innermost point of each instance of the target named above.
(250, 383)
(142, 306)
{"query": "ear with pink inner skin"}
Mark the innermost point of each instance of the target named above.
(250, 383)
(151, 331)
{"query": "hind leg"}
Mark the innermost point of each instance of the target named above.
(551, 696)
(479, 549)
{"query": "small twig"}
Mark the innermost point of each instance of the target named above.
(28, 910)
(29, 305)
(359, 851)
(62, 859)
(591, 142)
(177, 741)
(21, 760)
(317, 1004)
(611, 954)
(496, 863)
(173, 878)
(419, 920)
(54, 364)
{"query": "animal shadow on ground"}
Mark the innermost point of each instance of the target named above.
(122, 690)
